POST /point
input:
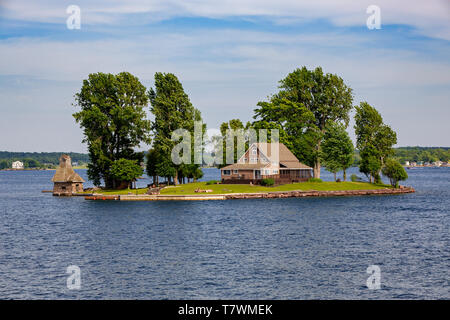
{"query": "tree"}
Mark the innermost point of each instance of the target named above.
(113, 120)
(337, 149)
(31, 163)
(307, 102)
(126, 170)
(4, 164)
(226, 130)
(152, 161)
(173, 110)
(372, 133)
(370, 163)
(394, 171)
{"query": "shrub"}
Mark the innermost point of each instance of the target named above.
(355, 178)
(267, 182)
(314, 180)
(210, 182)
(394, 171)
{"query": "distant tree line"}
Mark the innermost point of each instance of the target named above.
(424, 154)
(38, 159)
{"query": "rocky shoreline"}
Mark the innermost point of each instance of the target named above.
(260, 195)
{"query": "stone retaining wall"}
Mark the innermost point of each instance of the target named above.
(266, 195)
(313, 193)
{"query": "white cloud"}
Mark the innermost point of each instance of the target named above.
(430, 18)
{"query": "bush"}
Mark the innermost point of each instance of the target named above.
(314, 180)
(267, 182)
(355, 178)
(210, 182)
(394, 171)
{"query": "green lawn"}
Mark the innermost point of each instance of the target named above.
(124, 191)
(246, 188)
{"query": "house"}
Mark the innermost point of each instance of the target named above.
(18, 165)
(66, 181)
(407, 163)
(262, 161)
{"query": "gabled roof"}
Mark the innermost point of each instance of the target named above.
(65, 172)
(245, 166)
(285, 157)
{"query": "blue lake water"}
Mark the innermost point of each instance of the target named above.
(313, 248)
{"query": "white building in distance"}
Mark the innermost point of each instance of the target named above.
(17, 165)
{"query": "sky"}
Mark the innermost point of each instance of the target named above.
(228, 54)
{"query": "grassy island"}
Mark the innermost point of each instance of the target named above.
(189, 188)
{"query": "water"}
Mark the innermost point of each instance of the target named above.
(313, 248)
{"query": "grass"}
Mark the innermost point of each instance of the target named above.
(246, 188)
(123, 192)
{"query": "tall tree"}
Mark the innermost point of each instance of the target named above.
(173, 110)
(308, 100)
(373, 138)
(337, 149)
(113, 120)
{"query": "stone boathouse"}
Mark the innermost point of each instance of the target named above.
(66, 180)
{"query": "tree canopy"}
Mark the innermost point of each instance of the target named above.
(113, 120)
(374, 139)
(337, 149)
(173, 110)
(394, 171)
(307, 102)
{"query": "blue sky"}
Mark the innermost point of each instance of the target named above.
(228, 54)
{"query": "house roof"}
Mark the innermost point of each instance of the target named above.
(285, 157)
(65, 172)
(245, 166)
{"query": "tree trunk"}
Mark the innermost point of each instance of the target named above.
(334, 176)
(175, 179)
(345, 175)
(317, 169)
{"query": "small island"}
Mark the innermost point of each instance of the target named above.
(295, 133)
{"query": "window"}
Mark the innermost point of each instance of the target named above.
(254, 151)
(267, 171)
(275, 171)
(235, 171)
(226, 172)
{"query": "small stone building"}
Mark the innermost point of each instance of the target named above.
(66, 180)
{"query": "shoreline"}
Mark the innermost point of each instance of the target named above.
(259, 195)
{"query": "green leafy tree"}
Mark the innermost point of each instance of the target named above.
(4, 165)
(394, 171)
(370, 163)
(153, 159)
(31, 163)
(337, 149)
(173, 110)
(126, 170)
(307, 102)
(373, 138)
(113, 120)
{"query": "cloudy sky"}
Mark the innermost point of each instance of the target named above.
(229, 55)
